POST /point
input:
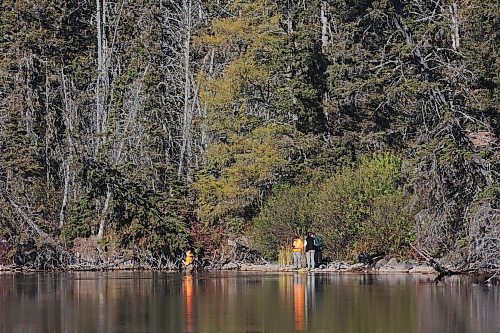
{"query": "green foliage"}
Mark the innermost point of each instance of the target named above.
(260, 108)
(344, 201)
(357, 209)
(240, 173)
(269, 117)
(287, 213)
(138, 216)
(83, 222)
(480, 48)
(389, 226)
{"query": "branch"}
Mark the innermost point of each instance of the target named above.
(28, 220)
(442, 271)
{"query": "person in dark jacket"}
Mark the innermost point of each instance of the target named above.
(318, 250)
(310, 251)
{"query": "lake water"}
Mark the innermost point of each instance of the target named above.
(244, 302)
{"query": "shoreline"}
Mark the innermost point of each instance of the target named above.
(390, 267)
(421, 269)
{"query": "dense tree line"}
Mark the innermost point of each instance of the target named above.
(158, 125)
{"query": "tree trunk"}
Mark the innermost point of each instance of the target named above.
(102, 83)
(102, 224)
(99, 106)
(65, 195)
(289, 21)
(324, 25)
(68, 160)
(187, 114)
(25, 216)
(455, 34)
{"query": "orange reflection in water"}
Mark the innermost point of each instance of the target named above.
(299, 303)
(188, 296)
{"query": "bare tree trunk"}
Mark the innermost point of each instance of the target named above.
(102, 223)
(187, 115)
(289, 21)
(65, 195)
(99, 106)
(47, 124)
(106, 65)
(455, 34)
(324, 25)
(25, 216)
(68, 159)
(102, 84)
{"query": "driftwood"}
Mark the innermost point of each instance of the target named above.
(232, 256)
(442, 271)
(495, 278)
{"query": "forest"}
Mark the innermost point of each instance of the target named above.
(143, 128)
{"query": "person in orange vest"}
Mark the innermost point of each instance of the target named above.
(297, 248)
(188, 262)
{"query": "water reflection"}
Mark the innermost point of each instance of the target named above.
(188, 297)
(298, 302)
(240, 302)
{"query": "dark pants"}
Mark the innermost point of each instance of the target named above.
(318, 257)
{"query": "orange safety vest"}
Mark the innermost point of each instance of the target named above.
(297, 245)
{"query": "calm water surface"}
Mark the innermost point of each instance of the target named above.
(243, 302)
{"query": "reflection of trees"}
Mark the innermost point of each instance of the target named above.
(457, 305)
(106, 302)
(228, 302)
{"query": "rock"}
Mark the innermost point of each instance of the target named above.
(394, 267)
(380, 263)
(392, 262)
(404, 266)
(342, 266)
(356, 267)
(231, 266)
(385, 269)
(3, 268)
(422, 270)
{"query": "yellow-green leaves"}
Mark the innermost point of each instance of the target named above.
(356, 209)
(238, 172)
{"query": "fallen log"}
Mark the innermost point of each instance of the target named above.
(440, 269)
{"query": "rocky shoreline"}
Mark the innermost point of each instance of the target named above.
(382, 267)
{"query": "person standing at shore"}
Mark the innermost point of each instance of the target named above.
(310, 251)
(297, 247)
(318, 248)
(188, 261)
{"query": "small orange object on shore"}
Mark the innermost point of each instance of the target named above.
(189, 258)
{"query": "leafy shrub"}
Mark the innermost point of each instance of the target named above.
(357, 209)
(344, 207)
(286, 214)
(388, 227)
